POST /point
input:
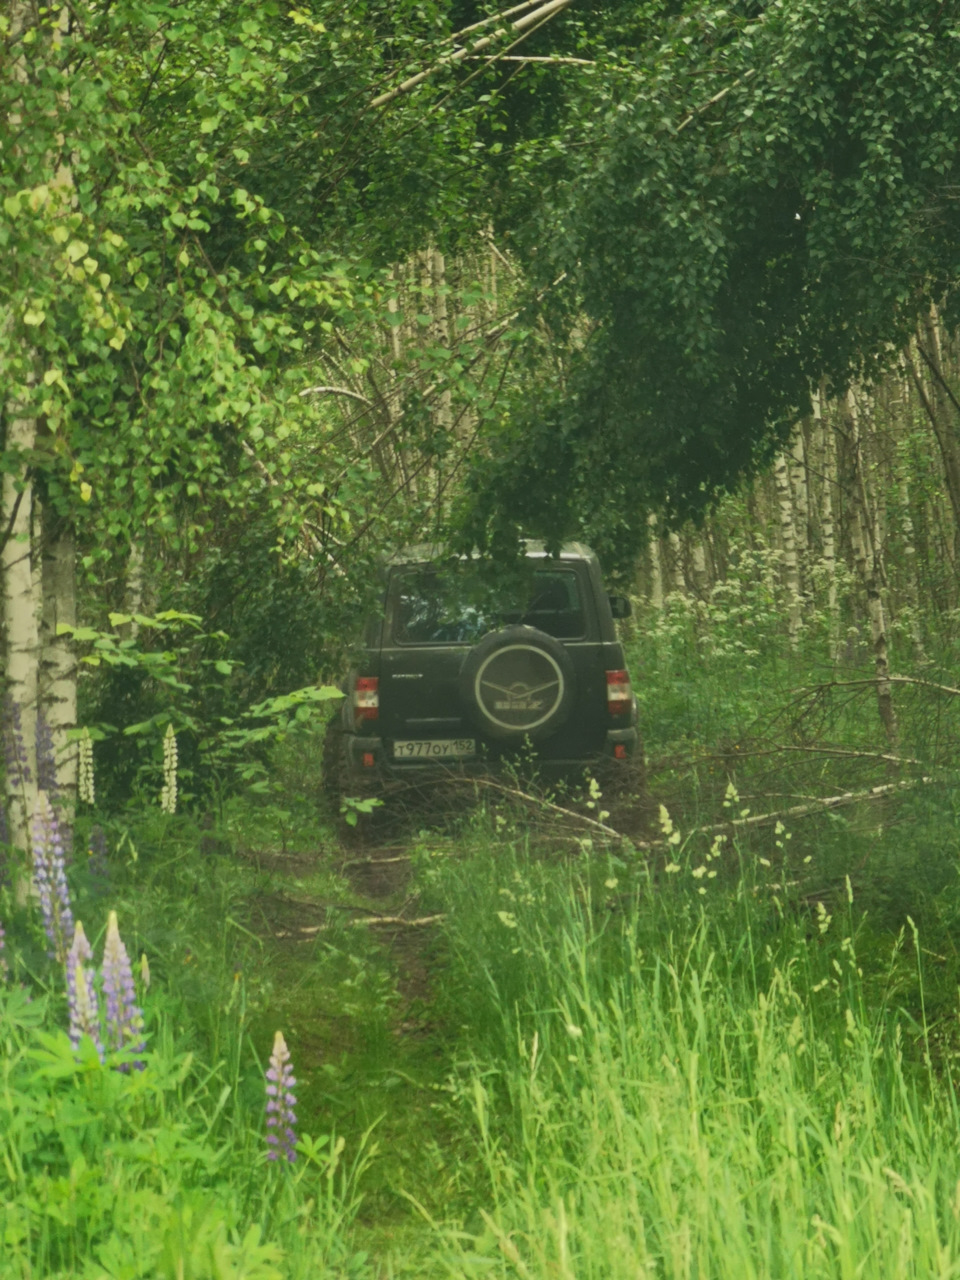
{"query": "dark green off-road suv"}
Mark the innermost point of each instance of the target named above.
(461, 668)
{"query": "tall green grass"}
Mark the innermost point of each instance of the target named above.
(683, 1084)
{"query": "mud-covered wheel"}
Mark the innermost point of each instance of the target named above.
(341, 784)
(333, 762)
(518, 683)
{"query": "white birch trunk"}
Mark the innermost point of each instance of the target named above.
(133, 589)
(939, 412)
(788, 540)
(393, 397)
(656, 564)
(910, 566)
(699, 573)
(867, 555)
(441, 324)
(58, 664)
(491, 263)
(20, 620)
(676, 563)
(801, 496)
(827, 527)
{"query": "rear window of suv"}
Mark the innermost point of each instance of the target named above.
(454, 607)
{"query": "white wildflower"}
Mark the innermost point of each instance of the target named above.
(168, 795)
(85, 785)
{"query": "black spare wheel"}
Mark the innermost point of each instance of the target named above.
(518, 682)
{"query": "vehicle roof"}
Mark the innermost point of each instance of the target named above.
(427, 553)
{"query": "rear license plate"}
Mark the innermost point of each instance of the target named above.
(435, 749)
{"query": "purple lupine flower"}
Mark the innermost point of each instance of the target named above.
(281, 1102)
(14, 750)
(50, 877)
(46, 758)
(4, 970)
(81, 993)
(124, 1016)
(97, 864)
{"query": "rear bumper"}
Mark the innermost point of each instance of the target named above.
(370, 758)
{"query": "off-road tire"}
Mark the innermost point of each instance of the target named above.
(339, 781)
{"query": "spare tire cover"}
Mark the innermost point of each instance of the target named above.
(518, 683)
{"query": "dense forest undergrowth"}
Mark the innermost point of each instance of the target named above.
(723, 1042)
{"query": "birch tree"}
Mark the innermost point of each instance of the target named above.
(788, 542)
(867, 552)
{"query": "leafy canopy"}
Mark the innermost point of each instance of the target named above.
(751, 198)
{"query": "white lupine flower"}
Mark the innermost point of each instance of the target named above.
(85, 784)
(168, 794)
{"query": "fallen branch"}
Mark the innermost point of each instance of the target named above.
(820, 751)
(752, 820)
(610, 832)
(374, 862)
(818, 806)
(311, 930)
(869, 681)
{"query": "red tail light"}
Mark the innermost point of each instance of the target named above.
(619, 693)
(366, 698)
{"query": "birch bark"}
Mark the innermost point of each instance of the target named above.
(910, 565)
(24, 589)
(938, 409)
(867, 553)
(19, 615)
(827, 527)
(656, 564)
(676, 563)
(698, 564)
(58, 665)
(788, 539)
(801, 497)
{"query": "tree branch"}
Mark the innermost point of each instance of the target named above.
(515, 57)
(494, 17)
(717, 97)
(542, 14)
(336, 391)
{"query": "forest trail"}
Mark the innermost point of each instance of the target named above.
(359, 965)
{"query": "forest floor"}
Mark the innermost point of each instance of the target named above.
(410, 966)
(360, 980)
